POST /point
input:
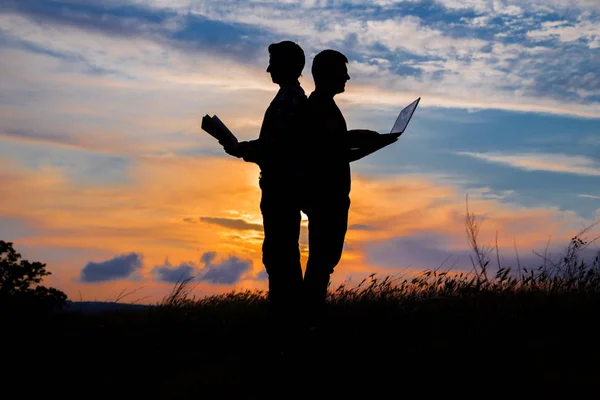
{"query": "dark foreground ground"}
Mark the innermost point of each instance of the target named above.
(522, 346)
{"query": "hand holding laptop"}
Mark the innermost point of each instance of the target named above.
(362, 142)
(358, 138)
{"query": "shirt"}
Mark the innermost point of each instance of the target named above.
(325, 167)
(275, 150)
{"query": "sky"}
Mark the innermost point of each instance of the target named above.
(109, 180)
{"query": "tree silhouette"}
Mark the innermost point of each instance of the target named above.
(20, 283)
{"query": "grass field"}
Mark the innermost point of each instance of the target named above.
(512, 332)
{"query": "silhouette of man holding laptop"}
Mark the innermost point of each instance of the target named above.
(304, 152)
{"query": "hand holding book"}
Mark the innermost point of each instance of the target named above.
(217, 129)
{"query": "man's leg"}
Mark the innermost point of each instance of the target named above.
(281, 253)
(327, 226)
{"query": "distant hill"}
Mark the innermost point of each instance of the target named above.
(91, 307)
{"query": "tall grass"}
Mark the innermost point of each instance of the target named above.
(569, 273)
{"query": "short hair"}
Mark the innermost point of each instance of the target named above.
(290, 55)
(324, 62)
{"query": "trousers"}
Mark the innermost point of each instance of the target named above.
(291, 293)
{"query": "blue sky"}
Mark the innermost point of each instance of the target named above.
(99, 99)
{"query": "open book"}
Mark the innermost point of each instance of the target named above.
(217, 129)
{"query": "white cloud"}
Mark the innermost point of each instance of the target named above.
(385, 3)
(320, 28)
(482, 6)
(512, 10)
(560, 163)
(109, 112)
(497, 79)
(477, 22)
(588, 196)
(516, 7)
(140, 58)
(472, 98)
(410, 34)
(565, 32)
(496, 7)
(464, 74)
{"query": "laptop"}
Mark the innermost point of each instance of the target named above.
(404, 118)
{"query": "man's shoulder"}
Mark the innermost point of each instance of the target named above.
(320, 104)
(319, 98)
(291, 95)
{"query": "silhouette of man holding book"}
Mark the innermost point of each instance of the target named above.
(304, 152)
(275, 152)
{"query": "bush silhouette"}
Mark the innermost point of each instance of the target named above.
(20, 283)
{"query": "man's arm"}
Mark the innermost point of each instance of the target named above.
(361, 143)
(278, 139)
(249, 150)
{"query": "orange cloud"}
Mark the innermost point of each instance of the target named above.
(401, 207)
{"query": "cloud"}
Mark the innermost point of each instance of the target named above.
(170, 274)
(231, 223)
(406, 207)
(226, 272)
(429, 250)
(208, 257)
(361, 227)
(481, 6)
(90, 17)
(189, 31)
(444, 60)
(567, 32)
(126, 60)
(262, 276)
(508, 76)
(559, 163)
(409, 33)
(119, 267)
(423, 251)
(51, 138)
(589, 196)
(513, 7)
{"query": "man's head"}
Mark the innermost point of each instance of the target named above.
(330, 72)
(286, 62)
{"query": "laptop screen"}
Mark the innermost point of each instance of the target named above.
(404, 117)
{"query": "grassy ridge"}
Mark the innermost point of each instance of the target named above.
(512, 331)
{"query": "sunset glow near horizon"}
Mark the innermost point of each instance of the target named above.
(108, 178)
